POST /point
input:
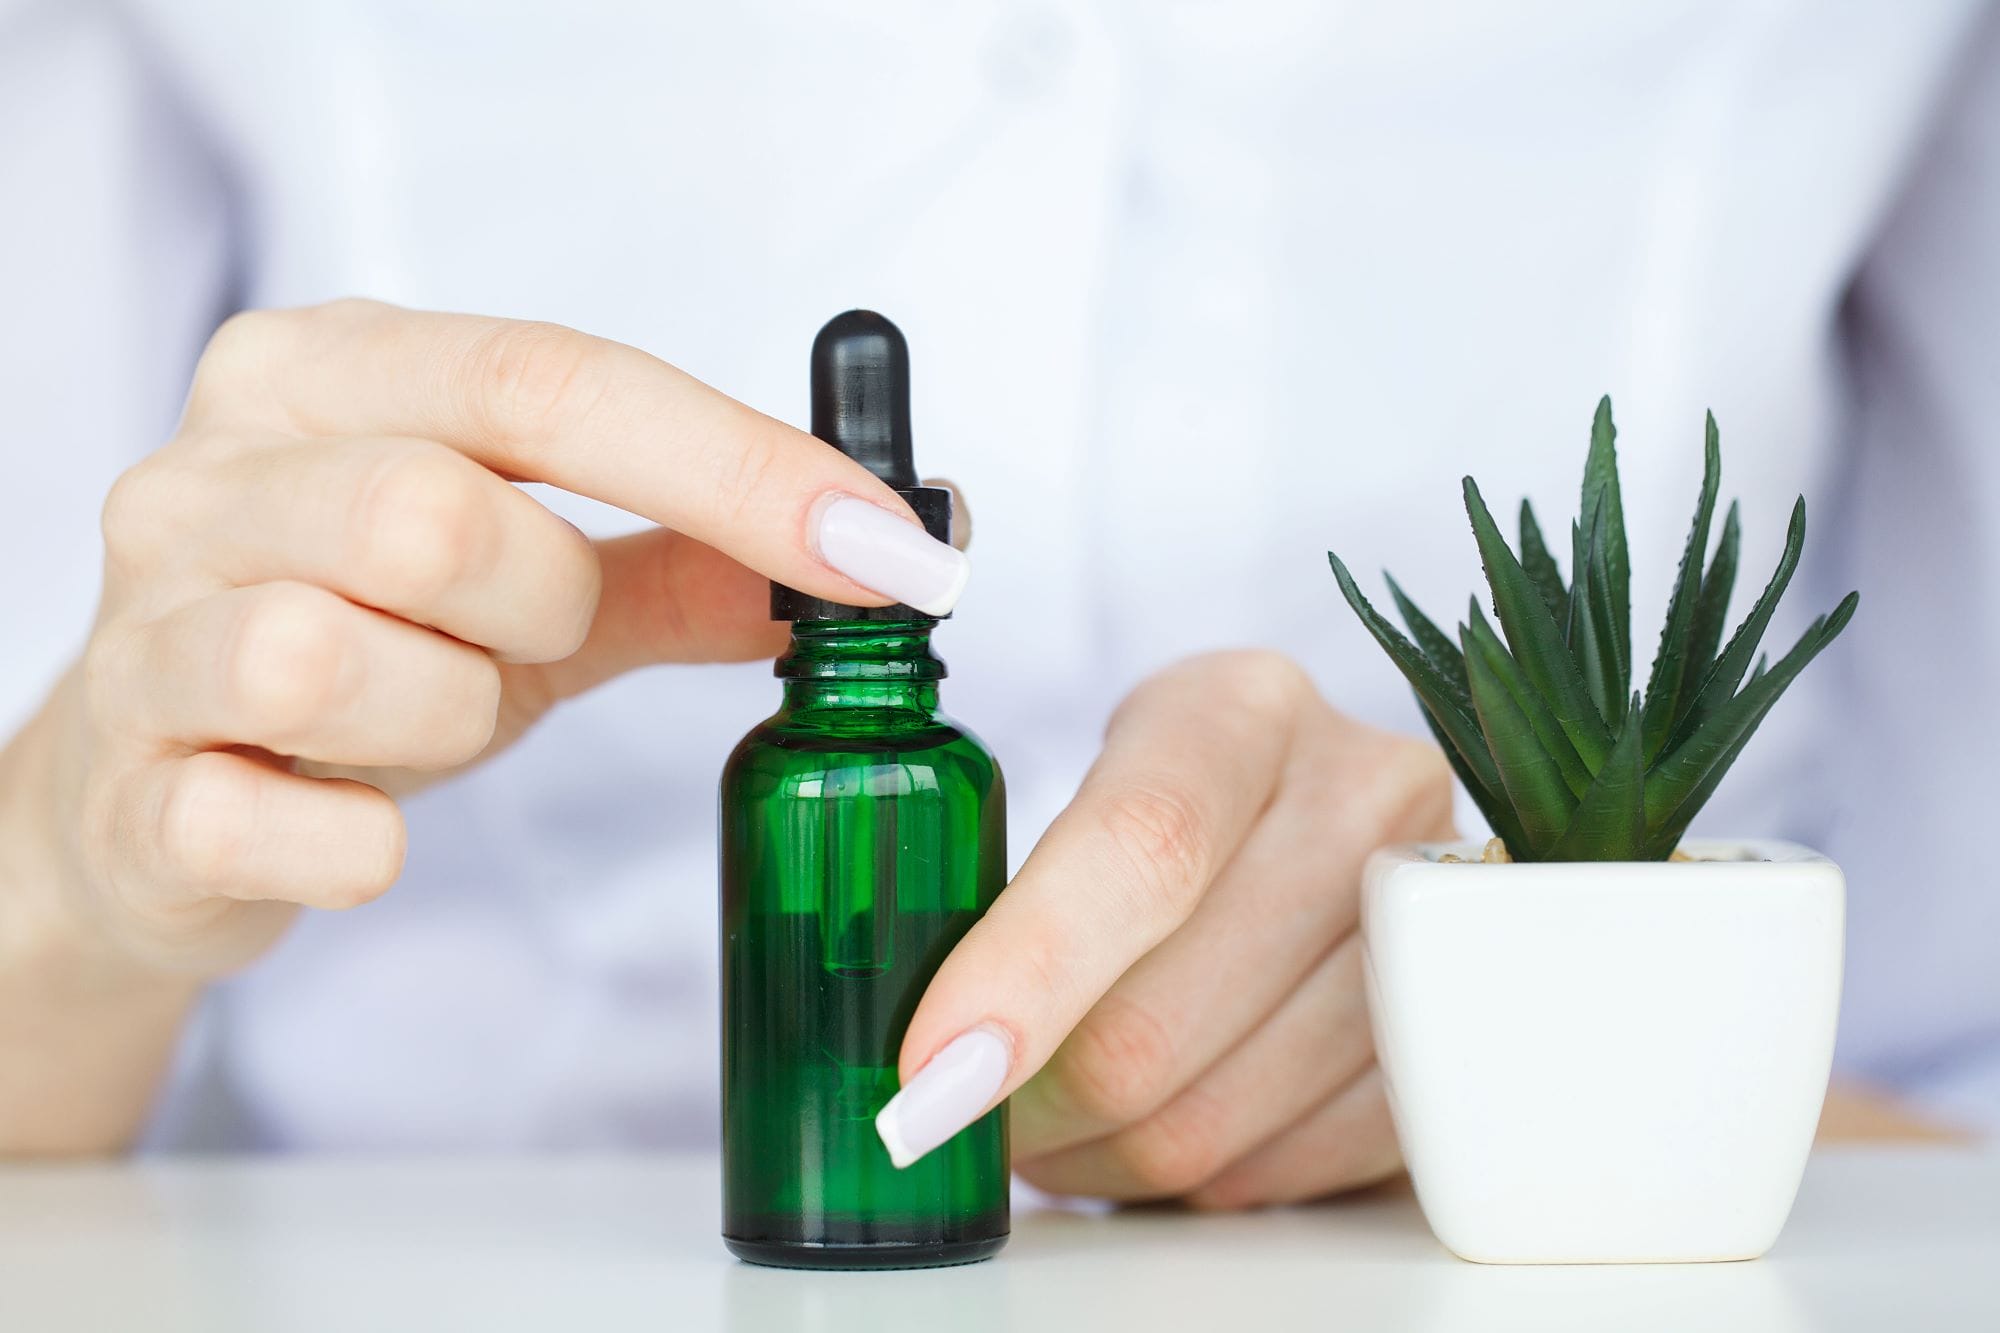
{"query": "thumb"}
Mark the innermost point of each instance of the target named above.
(668, 598)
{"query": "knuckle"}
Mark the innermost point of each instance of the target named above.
(137, 518)
(236, 354)
(348, 310)
(1161, 839)
(1115, 1067)
(589, 592)
(1257, 678)
(207, 817)
(1413, 787)
(283, 664)
(1423, 767)
(419, 526)
(476, 710)
(379, 863)
(238, 339)
(1176, 1151)
(1266, 682)
(1353, 1144)
(532, 376)
(562, 630)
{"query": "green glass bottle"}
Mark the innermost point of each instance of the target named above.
(862, 833)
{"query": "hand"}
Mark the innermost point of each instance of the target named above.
(1857, 1113)
(1177, 965)
(324, 591)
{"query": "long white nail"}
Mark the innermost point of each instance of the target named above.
(947, 1094)
(891, 555)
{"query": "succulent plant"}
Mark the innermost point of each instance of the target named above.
(1563, 758)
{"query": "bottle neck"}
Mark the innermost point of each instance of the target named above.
(843, 664)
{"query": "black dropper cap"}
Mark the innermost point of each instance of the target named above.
(861, 406)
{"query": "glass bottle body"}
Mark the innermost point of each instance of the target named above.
(862, 834)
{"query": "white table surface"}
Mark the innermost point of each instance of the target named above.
(1881, 1240)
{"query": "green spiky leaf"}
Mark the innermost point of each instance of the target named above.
(1541, 725)
(1688, 774)
(1541, 566)
(1711, 610)
(1727, 672)
(1432, 641)
(1492, 805)
(1548, 731)
(1534, 784)
(1670, 665)
(1593, 634)
(1600, 488)
(1454, 723)
(1610, 820)
(1535, 638)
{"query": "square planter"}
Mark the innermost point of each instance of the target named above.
(1605, 1062)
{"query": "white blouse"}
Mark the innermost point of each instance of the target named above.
(1196, 291)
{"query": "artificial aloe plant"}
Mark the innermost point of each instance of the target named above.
(1564, 759)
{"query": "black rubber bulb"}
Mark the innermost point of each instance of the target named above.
(861, 406)
(861, 394)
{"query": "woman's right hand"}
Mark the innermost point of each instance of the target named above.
(325, 591)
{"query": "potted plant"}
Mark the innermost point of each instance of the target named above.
(1601, 1043)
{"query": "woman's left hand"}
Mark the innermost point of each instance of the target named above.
(1171, 988)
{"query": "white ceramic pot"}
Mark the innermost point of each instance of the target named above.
(1605, 1062)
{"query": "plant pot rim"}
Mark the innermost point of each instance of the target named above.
(1712, 855)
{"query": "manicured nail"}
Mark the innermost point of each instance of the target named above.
(891, 555)
(948, 1093)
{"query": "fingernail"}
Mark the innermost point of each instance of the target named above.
(890, 555)
(948, 1093)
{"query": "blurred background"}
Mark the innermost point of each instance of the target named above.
(1196, 292)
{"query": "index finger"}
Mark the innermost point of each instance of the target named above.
(540, 402)
(1186, 770)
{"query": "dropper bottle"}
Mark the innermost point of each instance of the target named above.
(862, 834)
